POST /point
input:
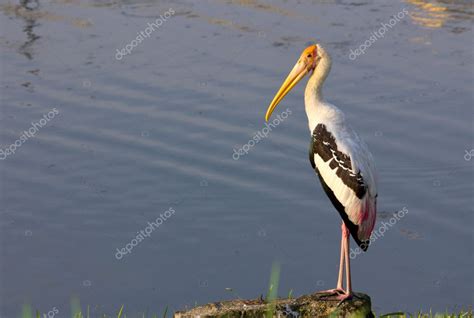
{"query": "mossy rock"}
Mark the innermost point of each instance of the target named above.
(307, 306)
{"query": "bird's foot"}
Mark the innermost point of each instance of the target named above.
(346, 296)
(331, 292)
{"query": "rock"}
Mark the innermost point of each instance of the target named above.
(307, 306)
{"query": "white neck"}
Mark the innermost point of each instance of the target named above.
(313, 96)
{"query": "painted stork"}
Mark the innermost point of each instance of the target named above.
(340, 158)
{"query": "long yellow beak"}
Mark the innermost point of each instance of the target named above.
(296, 74)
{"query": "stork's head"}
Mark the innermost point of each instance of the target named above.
(307, 63)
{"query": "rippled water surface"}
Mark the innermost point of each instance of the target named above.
(157, 128)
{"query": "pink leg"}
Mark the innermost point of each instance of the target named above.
(339, 287)
(341, 261)
(348, 292)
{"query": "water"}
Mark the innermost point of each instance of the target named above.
(157, 129)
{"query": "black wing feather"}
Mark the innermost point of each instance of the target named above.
(324, 144)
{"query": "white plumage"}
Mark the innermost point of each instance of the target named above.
(349, 143)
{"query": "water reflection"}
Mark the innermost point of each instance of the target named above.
(30, 20)
(441, 13)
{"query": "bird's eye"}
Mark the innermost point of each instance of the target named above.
(309, 55)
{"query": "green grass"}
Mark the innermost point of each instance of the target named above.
(460, 314)
(272, 293)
